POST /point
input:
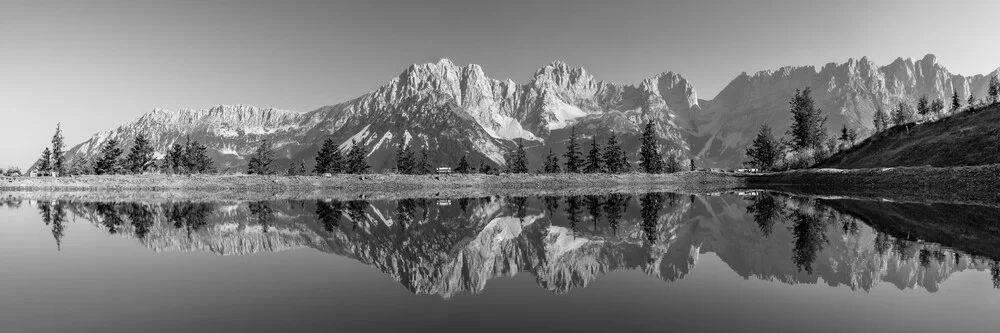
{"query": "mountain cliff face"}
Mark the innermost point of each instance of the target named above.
(457, 110)
(444, 248)
(849, 93)
(451, 110)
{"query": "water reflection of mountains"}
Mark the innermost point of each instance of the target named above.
(448, 246)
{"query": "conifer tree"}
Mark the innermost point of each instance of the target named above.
(902, 114)
(463, 165)
(671, 162)
(108, 163)
(196, 158)
(937, 106)
(485, 168)
(764, 150)
(649, 152)
(405, 161)
(328, 158)
(519, 159)
(574, 161)
(956, 103)
(260, 162)
(692, 166)
(45, 162)
(880, 120)
(58, 156)
(552, 163)
(614, 156)
(595, 162)
(923, 106)
(808, 123)
(424, 165)
(972, 99)
(357, 159)
(175, 159)
(140, 157)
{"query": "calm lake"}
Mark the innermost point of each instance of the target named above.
(750, 261)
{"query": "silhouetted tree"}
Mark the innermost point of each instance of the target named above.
(45, 162)
(519, 159)
(766, 210)
(463, 165)
(328, 159)
(140, 157)
(574, 161)
(650, 205)
(141, 216)
(594, 162)
(650, 160)
(923, 106)
(58, 155)
(956, 102)
(573, 210)
(357, 158)
(552, 163)
(810, 237)
(937, 106)
(260, 162)
(175, 159)
(108, 162)
(424, 164)
(551, 205)
(329, 214)
(614, 207)
(972, 99)
(615, 159)
(264, 214)
(594, 206)
(808, 123)
(520, 205)
(109, 217)
(196, 159)
(405, 159)
(356, 211)
(765, 149)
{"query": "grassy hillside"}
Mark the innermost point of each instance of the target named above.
(967, 138)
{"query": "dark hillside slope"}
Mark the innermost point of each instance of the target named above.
(967, 138)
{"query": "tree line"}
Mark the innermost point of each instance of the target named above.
(808, 142)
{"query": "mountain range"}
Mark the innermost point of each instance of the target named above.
(456, 111)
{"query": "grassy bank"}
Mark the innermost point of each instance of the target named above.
(370, 186)
(970, 184)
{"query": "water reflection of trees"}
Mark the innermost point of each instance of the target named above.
(54, 214)
(810, 220)
(328, 213)
(191, 216)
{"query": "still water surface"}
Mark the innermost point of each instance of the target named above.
(647, 262)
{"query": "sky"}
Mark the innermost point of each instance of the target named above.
(93, 65)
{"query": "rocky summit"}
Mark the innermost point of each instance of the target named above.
(456, 111)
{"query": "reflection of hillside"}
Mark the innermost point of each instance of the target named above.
(444, 248)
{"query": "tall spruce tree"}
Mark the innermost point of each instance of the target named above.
(808, 123)
(956, 102)
(58, 155)
(671, 162)
(972, 99)
(552, 163)
(45, 162)
(763, 152)
(405, 160)
(357, 159)
(594, 162)
(614, 156)
(519, 159)
(260, 162)
(424, 164)
(140, 157)
(325, 157)
(196, 159)
(175, 159)
(109, 163)
(574, 160)
(463, 165)
(649, 151)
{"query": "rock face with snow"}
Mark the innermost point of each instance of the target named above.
(849, 93)
(451, 110)
(456, 111)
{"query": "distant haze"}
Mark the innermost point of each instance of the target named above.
(96, 64)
